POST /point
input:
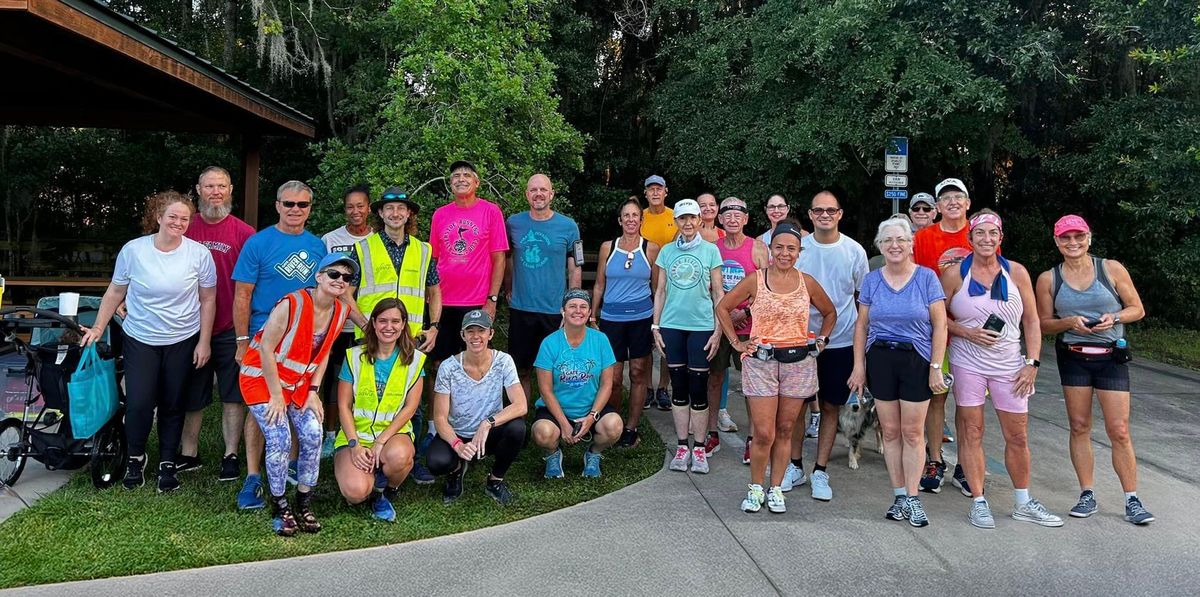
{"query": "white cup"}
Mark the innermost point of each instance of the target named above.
(68, 304)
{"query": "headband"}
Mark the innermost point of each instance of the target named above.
(787, 229)
(741, 208)
(986, 219)
(577, 293)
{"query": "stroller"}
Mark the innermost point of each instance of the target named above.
(43, 432)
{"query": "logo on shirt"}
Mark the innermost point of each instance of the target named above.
(460, 237)
(686, 271)
(218, 246)
(732, 272)
(952, 257)
(534, 248)
(342, 249)
(295, 266)
(575, 373)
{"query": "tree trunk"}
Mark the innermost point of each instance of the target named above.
(230, 18)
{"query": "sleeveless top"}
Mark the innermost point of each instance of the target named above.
(1005, 357)
(780, 319)
(735, 265)
(627, 290)
(1092, 302)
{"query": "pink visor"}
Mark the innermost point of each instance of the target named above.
(1070, 223)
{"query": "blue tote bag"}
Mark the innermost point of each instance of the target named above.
(93, 393)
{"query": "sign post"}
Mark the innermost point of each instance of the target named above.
(895, 164)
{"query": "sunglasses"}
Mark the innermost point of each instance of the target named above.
(300, 204)
(922, 209)
(629, 261)
(334, 274)
(393, 196)
(829, 211)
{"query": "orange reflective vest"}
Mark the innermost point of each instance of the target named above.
(294, 356)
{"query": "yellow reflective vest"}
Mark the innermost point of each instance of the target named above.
(378, 279)
(374, 413)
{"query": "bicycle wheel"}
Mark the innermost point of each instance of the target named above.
(108, 454)
(12, 458)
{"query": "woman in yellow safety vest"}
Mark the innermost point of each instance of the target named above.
(379, 391)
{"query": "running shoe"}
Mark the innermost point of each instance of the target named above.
(1136, 513)
(725, 422)
(251, 495)
(680, 461)
(135, 472)
(498, 490)
(896, 511)
(591, 464)
(746, 451)
(421, 475)
(382, 509)
(775, 502)
(916, 512)
(754, 499)
(629, 438)
(663, 399)
(649, 399)
(453, 489)
(1033, 511)
(981, 515)
(820, 486)
(960, 480)
(931, 479)
(554, 468)
(381, 480)
(793, 477)
(185, 464)
(712, 445)
(167, 481)
(292, 475)
(699, 460)
(947, 435)
(814, 425)
(327, 446)
(230, 469)
(1086, 506)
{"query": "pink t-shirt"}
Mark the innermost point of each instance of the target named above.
(224, 240)
(463, 241)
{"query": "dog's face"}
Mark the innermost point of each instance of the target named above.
(855, 415)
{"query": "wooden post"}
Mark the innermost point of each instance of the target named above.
(251, 145)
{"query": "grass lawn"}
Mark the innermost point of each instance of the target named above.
(1177, 346)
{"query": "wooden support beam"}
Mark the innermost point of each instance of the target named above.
(251, 148)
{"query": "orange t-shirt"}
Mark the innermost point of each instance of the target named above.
(937, 249)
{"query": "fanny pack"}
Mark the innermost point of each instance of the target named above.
(893, 345)
(1095, 351)
(791, 354)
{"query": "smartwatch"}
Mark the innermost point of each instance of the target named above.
(595, 415)
(352, 443)
(495, 298)
(435, 325)
(491, 421)
(1033, 363)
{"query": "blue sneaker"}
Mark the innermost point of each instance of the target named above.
(663, 398)
(591, 464)
(421, 475)
(554, 465)
(382, 509)
(251, 495)
(820, 486)
(1086, 506)
(381, 480)
(1136, 513)
(292, 477)
(327, 446)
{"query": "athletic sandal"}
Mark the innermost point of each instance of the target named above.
(282, 521)
(305, 519)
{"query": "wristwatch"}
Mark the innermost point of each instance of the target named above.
(1116, 319)
(352, 443)
(823, 340)
(495, 298)
(316, 389)
(595, 415)
(435, 325)
(654, 326)
(491, 421)
(1033, 363)
(242, 339)
(937, 365)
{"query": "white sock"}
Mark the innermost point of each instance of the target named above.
(1022, 496)
(897, 491)
(1130, 494)
(981, 500)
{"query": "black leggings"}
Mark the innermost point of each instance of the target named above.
(156, 377)
(504, 442)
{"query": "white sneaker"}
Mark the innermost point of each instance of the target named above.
(699, 460)
(754, 499)
(725, 422)
(775, 501)
(1033, 511)
(793, 477)
(680, 461)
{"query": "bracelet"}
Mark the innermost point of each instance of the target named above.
(654, 327)
(457, 442)
(241, 339)
(316, 389)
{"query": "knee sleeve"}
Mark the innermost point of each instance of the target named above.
(698, 389)
(680, 388)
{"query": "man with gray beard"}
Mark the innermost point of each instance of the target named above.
(224, 235)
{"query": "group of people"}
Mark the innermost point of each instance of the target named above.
(290, 325)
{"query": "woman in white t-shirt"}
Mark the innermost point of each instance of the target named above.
(470, 416)
(168, 284)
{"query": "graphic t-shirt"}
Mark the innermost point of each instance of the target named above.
(472, 402)
(839, 267)
(689, 304)
(276, 263)
(341, 241)
(902, 315)
(659, 229)
(937, 249)
(163, 294)
(540, 251)
(463, 241)
(576, 371)
(224, 240)
(735, 264)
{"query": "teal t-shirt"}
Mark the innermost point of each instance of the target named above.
(383, 369)
(576, 371)
(539, 252)
(688, 304)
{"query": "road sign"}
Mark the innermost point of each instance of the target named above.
(895, 156)
(895, 194)
(895, 180)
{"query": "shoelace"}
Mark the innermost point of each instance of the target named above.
(916, 510)
(931, 469)
(980, 508)
(1037, 508)
(1135, 507)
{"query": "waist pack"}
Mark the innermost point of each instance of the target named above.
(791, 354)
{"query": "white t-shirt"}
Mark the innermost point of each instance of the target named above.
(163, 296)
(472, 402)
(341, 241)
(839, 267)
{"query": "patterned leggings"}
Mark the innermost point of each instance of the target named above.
(279, 446)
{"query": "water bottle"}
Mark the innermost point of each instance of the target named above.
(812, 344)
(1121, 351)
(765, 352)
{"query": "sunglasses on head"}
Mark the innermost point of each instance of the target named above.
(921, 209)
(334, 274)
(394, 196)
(291, 204)
(829, 211)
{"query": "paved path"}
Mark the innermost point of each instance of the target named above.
(682, 534)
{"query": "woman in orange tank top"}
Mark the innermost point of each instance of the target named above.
(776, 380)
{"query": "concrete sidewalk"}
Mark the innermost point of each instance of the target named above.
(677, 533)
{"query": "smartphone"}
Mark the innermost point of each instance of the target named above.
(994, 324)
(1091, 323)
(576, 427)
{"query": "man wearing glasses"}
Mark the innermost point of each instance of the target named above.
(921, 210)
(938, 247)
(274, 262)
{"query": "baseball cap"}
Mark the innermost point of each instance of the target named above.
(395, 195)
(655, 179)
(339, 259)
(687, 207)
(477, 318)
(925, 198)
(953, 183)
(1070, 223)
(463, 164)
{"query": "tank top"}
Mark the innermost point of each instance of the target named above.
(781, 319)
(1091, 302)
(735, 265)
(1005, 357)
(627, 290)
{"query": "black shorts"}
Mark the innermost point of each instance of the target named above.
(199, 390)
(686, 347)
(449, 338)
(337, 356)
(630, 339)
(897, 375)
(1097, 371)
(834, 366)
(543, 414)
(526, 330)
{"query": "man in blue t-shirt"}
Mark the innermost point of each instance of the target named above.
(541, 268)
(273, 262)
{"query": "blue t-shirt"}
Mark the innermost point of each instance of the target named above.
(276, 264)
(576, 371)
(689, 305)
(540, 252)
(902, 315)
(383, 368)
